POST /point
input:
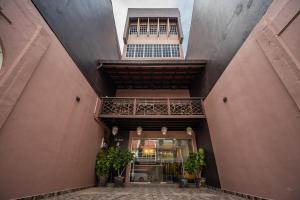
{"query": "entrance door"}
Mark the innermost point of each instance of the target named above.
(158, 160)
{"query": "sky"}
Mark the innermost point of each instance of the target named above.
(185, 7)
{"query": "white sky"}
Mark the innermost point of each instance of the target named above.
(185, 7)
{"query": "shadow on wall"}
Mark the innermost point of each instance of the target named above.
(218, 30)
(93, 38)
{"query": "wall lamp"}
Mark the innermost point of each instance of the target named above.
(164, 130)
(139, 130)
(114, 130)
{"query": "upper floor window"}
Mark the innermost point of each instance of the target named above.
(153, 29)
(166, 50)
(173, 30)
(143, 29)
(153, 50)
(175, 51)
(148, 50)
(130, 50)
(162, 29)
(157, 50)
(139, 50)
(132, 29)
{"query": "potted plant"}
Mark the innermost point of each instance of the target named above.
(102, 167)
(194, 165)
(119, 160)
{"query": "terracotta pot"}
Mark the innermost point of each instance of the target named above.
(119, 181)
(198, 182)
(183, 182)
(102, 181)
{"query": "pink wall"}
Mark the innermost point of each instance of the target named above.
(256, 133)
(152, 93)
(48, 141)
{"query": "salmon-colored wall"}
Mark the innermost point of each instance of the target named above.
(152, 93)
(256, 133)
(48, 140)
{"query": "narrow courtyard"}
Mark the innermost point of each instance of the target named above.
(147, 193)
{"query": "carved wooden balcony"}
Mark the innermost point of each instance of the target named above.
(120, 107)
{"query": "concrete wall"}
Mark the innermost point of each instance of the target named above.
(255, 134)
(48, 140)
(152, 93)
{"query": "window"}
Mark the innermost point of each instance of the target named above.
(139, 51)
(143, 29)
(153, 50)
(175, 51)
(173, 30)
(157, 50)
(162, 29)
(132, 29)
(130, 50)
(153, 29)
(148, 50)
(166, 50)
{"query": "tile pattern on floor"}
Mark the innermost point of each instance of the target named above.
(146, 193)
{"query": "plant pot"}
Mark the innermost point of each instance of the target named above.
(119, 181)
(183, 182)
(198, 182)
(102, 181)
(203, 181)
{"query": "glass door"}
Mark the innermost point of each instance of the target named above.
(158, 160)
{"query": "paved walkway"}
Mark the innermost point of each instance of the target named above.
(147, 193)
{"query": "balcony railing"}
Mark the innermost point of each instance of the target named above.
(151, 107)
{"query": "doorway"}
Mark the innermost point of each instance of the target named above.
(158, 160)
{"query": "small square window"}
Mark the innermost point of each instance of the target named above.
(143, 29)
(132, 29)
(173, 30)
(153, 29)
(162, 29)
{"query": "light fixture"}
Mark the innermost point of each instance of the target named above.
(114, 130)
(164, 130)
(139, 130)
(189, 130)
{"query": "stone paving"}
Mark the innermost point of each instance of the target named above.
(147, 193)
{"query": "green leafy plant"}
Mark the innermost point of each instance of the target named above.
(103, 164)
(195, 163)
(119, 159)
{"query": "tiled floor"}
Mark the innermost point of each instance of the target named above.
(147, 193)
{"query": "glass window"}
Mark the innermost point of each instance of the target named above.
(143, 29)
(162, 29)
(175, 51)
(132, 29)
(139, 50)
(157, 50)
(173, 30)
(130, 50)
(148, 50)
(153, 29)
(159, 159)
(166, 50)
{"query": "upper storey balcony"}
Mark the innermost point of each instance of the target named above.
(151, 113)
(129, 107)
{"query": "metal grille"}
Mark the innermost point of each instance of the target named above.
(151, 106)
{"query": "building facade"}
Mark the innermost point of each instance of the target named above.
(152, 105)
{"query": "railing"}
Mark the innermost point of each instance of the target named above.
(142, 107)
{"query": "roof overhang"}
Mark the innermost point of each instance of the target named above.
(152, 74)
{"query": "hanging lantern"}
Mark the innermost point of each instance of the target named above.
(114, 130)
(189, 130)
(139, 130)
(164, 130)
